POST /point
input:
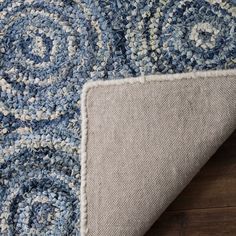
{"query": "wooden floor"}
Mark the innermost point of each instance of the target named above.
(207, 207)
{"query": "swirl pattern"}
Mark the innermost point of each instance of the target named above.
(184, 35)
(203, 37)
(49, 48)
(40, 182)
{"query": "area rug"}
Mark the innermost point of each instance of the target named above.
(48, 50)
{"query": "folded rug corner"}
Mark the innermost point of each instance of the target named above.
(143, 140)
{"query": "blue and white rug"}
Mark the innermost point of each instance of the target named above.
(48, 50)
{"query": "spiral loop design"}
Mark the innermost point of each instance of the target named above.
(180, 36)
(48, 50)
(40, 187)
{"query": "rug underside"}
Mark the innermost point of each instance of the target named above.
(143, 140)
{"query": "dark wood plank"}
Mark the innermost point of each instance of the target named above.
(208, 204)
(197, 222)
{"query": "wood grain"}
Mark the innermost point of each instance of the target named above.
(197, 222)
(208, 204)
